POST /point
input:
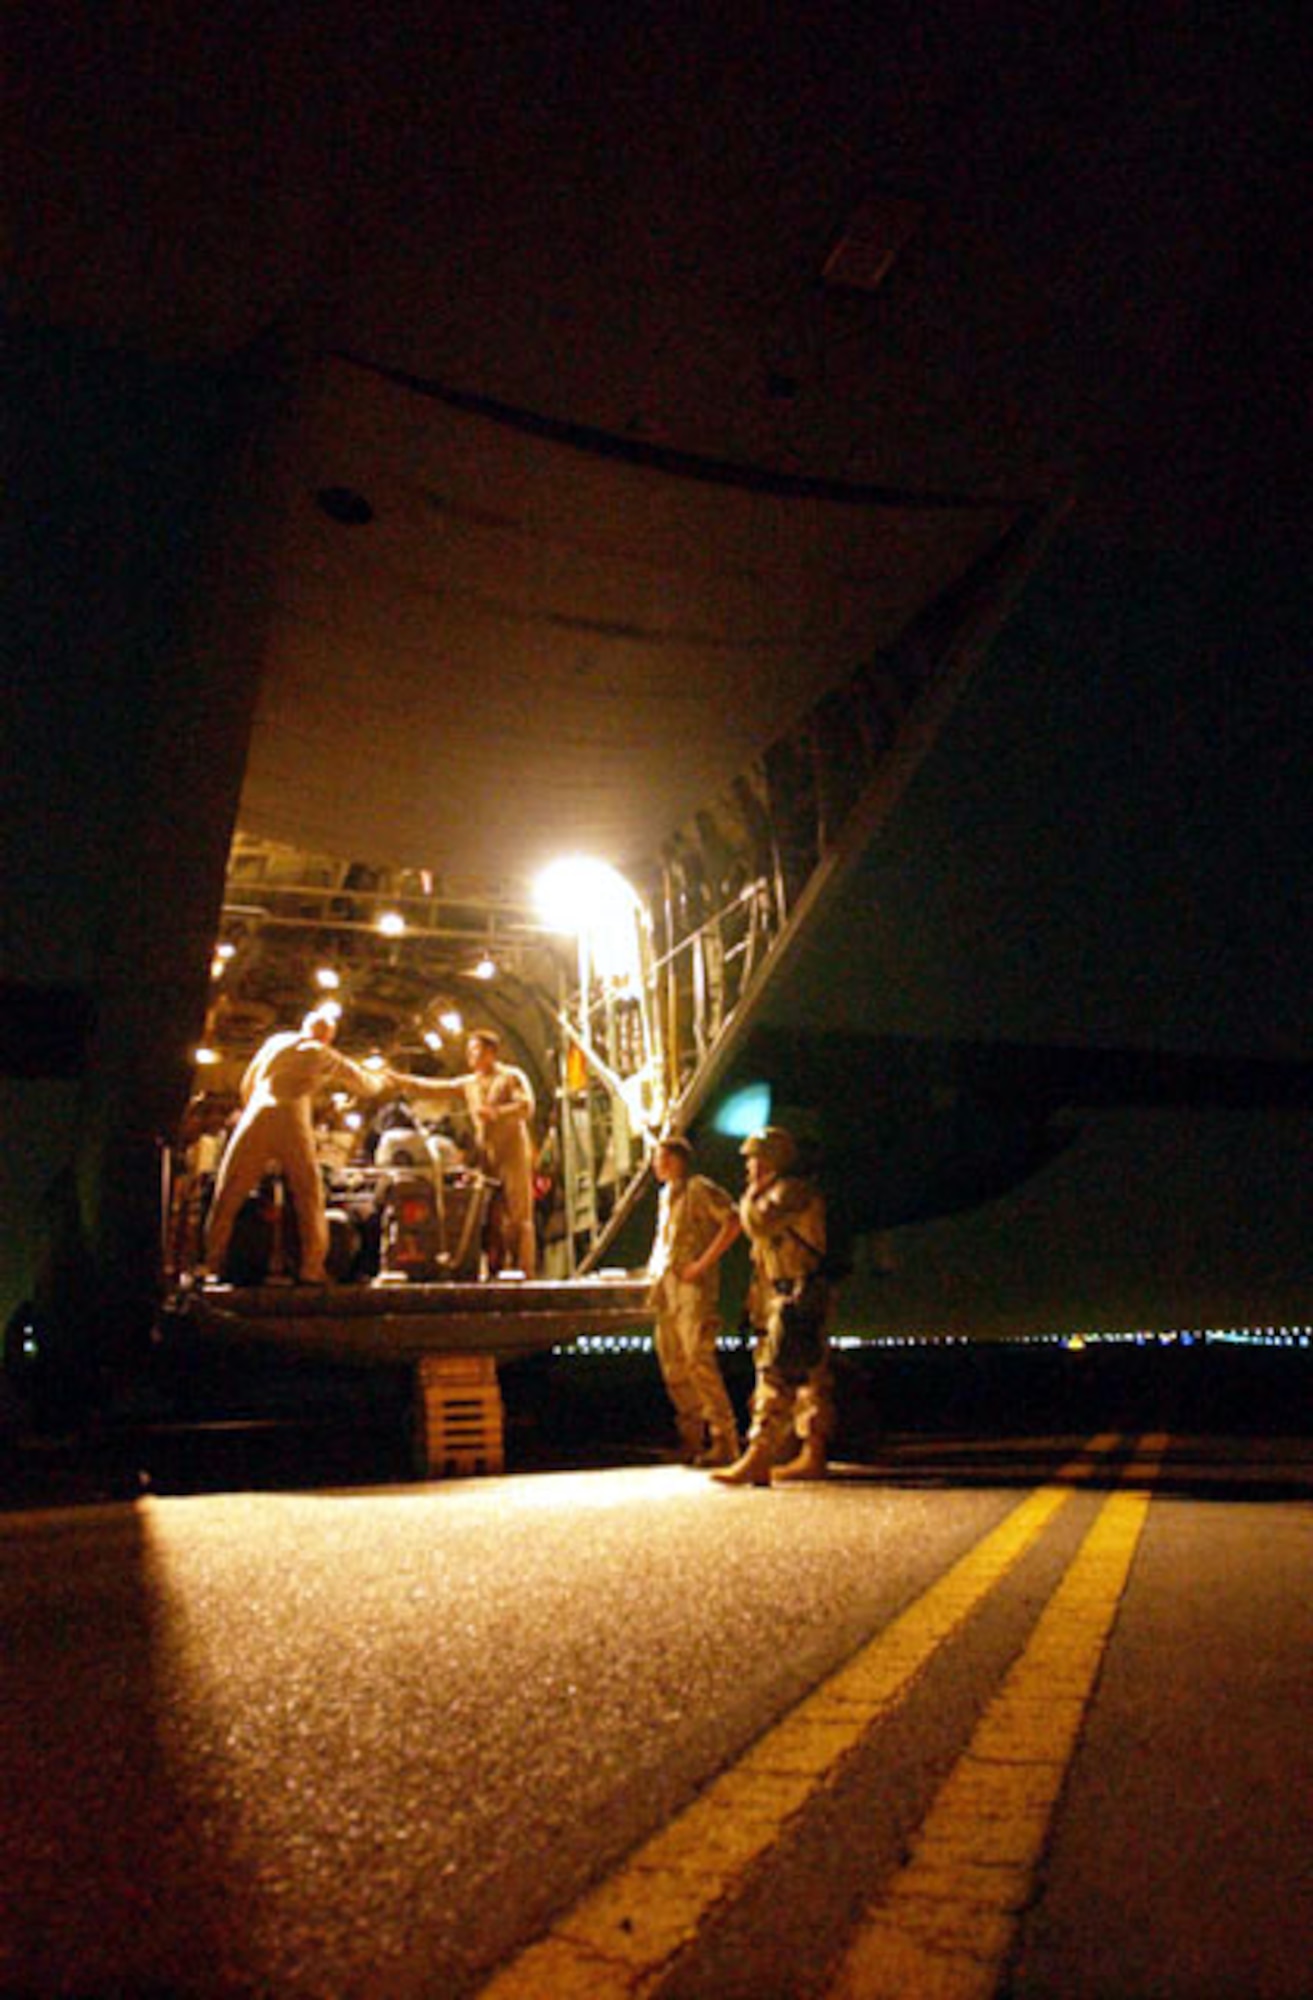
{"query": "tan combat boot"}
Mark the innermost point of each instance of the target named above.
(724, 1449)
(810, 1462)
(692, 1440)
(752, 1469)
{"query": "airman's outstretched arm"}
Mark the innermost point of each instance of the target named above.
(444, 1088)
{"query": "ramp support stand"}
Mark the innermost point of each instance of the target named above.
(459, 1426)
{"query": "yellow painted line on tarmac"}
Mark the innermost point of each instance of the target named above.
(943, 1927)
(619, 1939)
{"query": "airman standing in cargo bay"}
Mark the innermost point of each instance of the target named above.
(783, 1217)
(696, 1223)
(499, 1099)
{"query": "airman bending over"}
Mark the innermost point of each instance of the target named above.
(278, 1092)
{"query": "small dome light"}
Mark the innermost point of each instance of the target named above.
(345, 506)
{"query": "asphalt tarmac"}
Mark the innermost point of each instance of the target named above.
(418, 1739)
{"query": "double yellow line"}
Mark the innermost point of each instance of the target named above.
(943, 1926)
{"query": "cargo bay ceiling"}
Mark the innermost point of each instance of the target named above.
(649, 369)
(534, 645)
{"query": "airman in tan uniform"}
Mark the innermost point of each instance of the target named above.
(276, 1125)
(500, 1102)
(696, 1223)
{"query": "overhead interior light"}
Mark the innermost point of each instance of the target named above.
(486, 968)
(206, 1058)
(327, 979)
(345, 505)
(875, 236)
(451, 1022)
(392, 924)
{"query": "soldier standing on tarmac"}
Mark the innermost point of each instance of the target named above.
(696, 1223)
(783, 1216)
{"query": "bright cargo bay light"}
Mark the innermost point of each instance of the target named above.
(591, 900)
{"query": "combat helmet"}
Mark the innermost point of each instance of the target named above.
(773, 1145)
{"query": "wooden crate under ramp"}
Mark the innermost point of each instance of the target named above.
(459, 1418)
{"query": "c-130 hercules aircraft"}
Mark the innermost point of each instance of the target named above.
(441, 457)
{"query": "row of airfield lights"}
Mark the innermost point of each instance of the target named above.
(1075, 1343)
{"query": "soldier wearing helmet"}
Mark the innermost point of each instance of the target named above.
(782, 1214)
